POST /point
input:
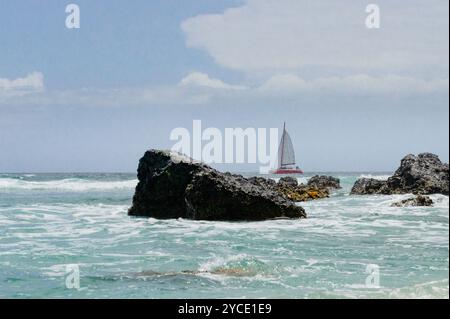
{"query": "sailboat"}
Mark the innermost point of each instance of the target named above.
(286, 156)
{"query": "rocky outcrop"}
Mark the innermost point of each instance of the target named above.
(290, 188)
(317, 187)
(423, 174)
(323, 181)
(172, 185)
(418, 201)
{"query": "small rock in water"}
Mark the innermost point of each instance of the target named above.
(302, 193)
(418, 201)
(325, 182)
(318, 187)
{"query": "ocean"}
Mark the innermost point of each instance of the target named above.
(57, 227)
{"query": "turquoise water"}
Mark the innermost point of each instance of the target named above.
(49, 221)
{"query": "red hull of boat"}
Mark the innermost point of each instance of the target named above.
(287, 171)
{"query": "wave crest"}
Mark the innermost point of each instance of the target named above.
(69, 184)
(375, 176)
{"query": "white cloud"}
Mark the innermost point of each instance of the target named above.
(198, 79)
(360, 84)
(285, 35)
(32, 83)
(199, 88)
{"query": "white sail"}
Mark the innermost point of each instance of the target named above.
(286, 155)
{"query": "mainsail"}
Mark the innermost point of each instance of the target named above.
(286, 155)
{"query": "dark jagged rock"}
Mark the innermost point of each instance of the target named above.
(172, 185)
(288, 180)
(322, 181)
(214, 196)
(367, 186)
(419, 201)
(163, 179)
(423, 174)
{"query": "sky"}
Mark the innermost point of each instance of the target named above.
(95, 98)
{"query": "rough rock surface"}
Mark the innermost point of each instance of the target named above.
(423, 174)
(419, 200)
(261, 181)
(212, 195)
(163, 179)
(288, 180)
(367, 186)
(289, 188)
(302, 193)
(171, 185)
(322, 181)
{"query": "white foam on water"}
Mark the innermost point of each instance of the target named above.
(380, 177)
(427, 290)
(385, 202)
(70, 184)
(300, 180)
(219, 261)
(440, 201)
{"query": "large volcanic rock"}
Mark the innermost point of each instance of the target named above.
(172, 185)
(423, 174)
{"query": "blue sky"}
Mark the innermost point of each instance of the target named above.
(119, 43)
(94, 98)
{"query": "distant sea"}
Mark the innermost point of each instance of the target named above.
(349, 247)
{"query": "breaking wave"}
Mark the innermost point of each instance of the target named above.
(237, 265)
(375, 176)
(69, 184)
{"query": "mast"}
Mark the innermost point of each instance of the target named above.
(282, 145)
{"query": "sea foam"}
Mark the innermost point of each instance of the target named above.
(375, 176)
(69, 184)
